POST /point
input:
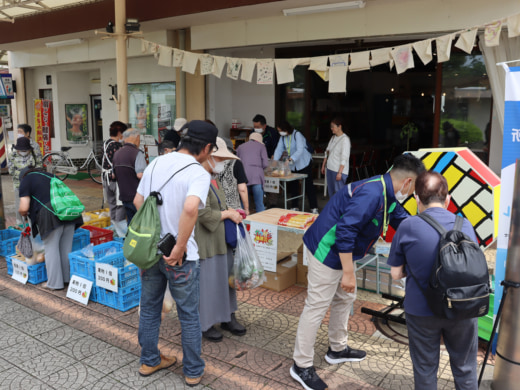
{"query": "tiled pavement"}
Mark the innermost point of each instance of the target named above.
(50, 342)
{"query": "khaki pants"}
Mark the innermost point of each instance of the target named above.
(324, 290)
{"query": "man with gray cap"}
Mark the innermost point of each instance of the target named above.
(186, 186)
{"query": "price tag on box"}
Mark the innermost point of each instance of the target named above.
(79, 289)
(20, 271)
(106, 276)
(272, 184)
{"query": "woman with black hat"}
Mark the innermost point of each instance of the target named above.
(21, 157)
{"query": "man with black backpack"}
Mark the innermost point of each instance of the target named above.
(415, 252)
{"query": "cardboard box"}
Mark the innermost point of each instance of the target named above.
(284, 277)
(301, 273)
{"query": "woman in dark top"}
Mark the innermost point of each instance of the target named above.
(56, 235)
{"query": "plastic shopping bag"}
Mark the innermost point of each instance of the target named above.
(248, 270)
(24, 243)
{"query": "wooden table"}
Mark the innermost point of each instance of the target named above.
(283, 180)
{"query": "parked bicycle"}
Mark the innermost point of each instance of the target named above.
(61, 165)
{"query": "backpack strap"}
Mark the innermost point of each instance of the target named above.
(157, 193)
(458, 223)
(433, 223)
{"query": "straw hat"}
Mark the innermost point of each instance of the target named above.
(256, 137)
(223, 151)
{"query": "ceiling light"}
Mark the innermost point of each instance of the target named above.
(325, 8)
(68, 42)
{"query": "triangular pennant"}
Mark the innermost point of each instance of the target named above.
(248, 68)
(466, 40)
(492, 33)
(319, 63)
(324, 74)
(233, 67)
(403, 58)
(359, 61)
(178, 57)
(264, 72)
(206, 64)
(338, 79)
(284, 70)
(189, 63)
(443, 45)
(424, 50)
(218, 66)
(513, 26)
(165, 56)
(380, 56)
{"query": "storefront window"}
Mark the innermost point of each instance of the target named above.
(152, 107)
(466, 103)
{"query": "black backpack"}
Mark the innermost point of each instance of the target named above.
(458, 287)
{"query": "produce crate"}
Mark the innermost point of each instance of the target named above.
(37, 272)
(96, 220)
(8, 240)
(81, 239)
(99, 235)
(125, 299)
(119, 239)
(85, 267)
(128, 275)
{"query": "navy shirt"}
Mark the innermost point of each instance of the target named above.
(416, 242)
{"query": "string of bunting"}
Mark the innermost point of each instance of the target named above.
(331, 68)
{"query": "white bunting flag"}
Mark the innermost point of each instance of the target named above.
(144, 46)
(424, 50)
(265, 72)
(492, 33)
(300, 61)
(248, 68)
(206, 64)
(380, 56)
(178, 57)
(403, 58)
(189, 64)
(338, 79)
(284, 70)
(165, 56)
(513, 26)
(218, 66)
(359, 61)
(466, 40)
(443, 47)
(233, 67)
(319, 63)
(338, 60)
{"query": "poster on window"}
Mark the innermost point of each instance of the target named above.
(76, 122)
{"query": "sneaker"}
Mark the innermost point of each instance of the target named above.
(234, 326)
(307, 378)
(166, 362)
(347, 355)
(315, 211)
(295, 209)
(212, 335)
(192, 382)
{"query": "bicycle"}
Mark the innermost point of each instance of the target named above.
(60, 164)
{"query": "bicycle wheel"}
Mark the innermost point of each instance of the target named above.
(94, 170)
(52, 163)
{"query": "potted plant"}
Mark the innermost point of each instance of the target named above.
(407, 132)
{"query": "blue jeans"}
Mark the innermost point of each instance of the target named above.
(184, 287)
(258, 195)
(130, 211)
(334, 185)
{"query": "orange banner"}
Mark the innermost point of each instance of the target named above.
(42, 124)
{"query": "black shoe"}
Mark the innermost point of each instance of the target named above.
(212, 335)
(307, 378)
(234, 326)
(347, 355)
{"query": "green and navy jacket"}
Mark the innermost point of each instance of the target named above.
(352, 221)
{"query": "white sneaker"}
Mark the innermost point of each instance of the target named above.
(315, 211)
(295, 209)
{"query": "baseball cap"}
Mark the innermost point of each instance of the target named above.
(203, 131)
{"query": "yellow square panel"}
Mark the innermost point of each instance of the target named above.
(430, 160)
(473, 213)
(452, 175)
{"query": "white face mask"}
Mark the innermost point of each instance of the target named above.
(23, 152)
(20, 135)
(283, 133)
(218, 167)
(400, 196)
(258, 130)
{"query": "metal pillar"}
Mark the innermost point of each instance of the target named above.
(506, 375)
(121, 60)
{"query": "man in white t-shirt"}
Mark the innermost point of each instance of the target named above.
(185, 192)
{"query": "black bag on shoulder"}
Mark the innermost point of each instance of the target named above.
(458, 287)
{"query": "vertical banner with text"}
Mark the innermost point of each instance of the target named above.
(43, 124)
(511, 152)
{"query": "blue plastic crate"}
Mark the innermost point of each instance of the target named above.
(125, 299)
(84, 267)
(128, 275)
(121, 240)
(8, 240)
(37, 272)
(81, 239)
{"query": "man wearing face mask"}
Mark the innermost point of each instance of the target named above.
(345, 230)
(24, 130)
(270, 136)
(21, 157)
